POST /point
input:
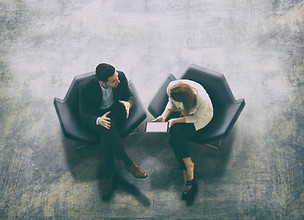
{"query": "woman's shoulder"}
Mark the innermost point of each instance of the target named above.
(202, 94)
(200, 89)
(172, 83)
(186, 81)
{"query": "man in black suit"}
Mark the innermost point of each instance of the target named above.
(104, 102)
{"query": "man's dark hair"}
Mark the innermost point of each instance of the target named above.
(104, 71)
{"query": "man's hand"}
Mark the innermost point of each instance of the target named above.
(105, 121)
(127, 107)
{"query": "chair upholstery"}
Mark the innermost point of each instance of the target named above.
(226, 108)
(67, 112)
(159, 101)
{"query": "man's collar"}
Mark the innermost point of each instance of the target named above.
(105, 88)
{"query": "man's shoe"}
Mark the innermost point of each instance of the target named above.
(136, 171)
(107, 186)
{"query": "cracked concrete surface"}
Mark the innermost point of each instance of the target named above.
(258, 45)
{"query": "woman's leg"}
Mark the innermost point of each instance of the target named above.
(190, 167)
(178, 143)
(179, 135)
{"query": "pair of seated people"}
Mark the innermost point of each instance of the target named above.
(105, 101)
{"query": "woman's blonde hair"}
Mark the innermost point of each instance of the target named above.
(182, 92)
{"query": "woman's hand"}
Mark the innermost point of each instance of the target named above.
(176, 120)
(159, 118)
(163, 116)
(172, 122)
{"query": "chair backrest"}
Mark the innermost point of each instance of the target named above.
(160, 99)
(215, 84)
(72, 96)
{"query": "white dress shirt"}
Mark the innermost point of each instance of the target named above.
(107, 99)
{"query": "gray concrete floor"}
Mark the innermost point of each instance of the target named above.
(256, 174)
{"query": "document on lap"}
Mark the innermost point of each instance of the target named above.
(156, 127)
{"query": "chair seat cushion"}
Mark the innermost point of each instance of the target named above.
(71, 125)
(221, 124)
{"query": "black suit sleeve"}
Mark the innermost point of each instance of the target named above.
(124, 91)
(90, 98)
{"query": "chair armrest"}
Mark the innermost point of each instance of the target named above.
(221, 124)
(160, 99)
(137, 113)
(71, 125)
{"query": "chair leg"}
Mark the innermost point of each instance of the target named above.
(215, 146)
(80, 146)
(135, 131)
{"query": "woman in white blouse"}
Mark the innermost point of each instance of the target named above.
(194, 105)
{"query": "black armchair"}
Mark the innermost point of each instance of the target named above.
(226, 108)
(67, 112)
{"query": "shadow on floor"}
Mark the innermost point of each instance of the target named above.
(212, 163)
(121, 184)
(86, 164)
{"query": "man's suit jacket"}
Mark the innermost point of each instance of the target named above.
(90, 97)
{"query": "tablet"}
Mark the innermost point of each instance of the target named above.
(156, 126)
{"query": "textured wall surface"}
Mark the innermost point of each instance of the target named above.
(259, 46)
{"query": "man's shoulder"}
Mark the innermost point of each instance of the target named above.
(121, 74)
(122, 77)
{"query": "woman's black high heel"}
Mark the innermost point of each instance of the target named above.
(187, 195)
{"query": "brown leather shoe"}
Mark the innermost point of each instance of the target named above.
(136, 171)
(107, 186)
